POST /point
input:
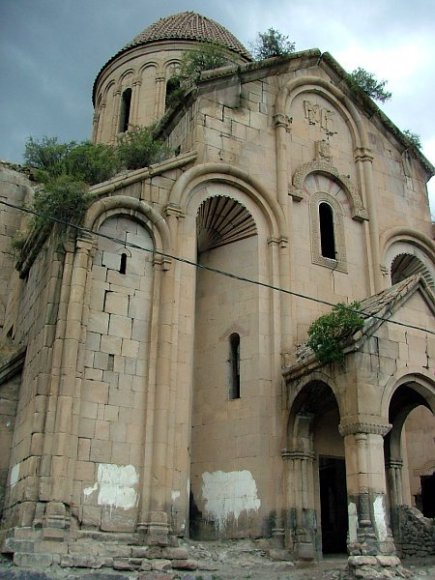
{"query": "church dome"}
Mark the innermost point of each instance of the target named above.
(132, 87)
(189, 26)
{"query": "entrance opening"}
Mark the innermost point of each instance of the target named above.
(428, 495)
(333, 504)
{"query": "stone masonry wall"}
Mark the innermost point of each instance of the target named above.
(416, 534)
(9, 392)
(113, 396)
(35, 328)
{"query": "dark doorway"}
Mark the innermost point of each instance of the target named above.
(333, 504)
(428, 495)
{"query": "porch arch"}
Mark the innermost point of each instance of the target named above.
(314, 446)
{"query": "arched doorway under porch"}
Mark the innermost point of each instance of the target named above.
(317, 521)
(410, 465)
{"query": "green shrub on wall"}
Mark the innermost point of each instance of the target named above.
(328, 334)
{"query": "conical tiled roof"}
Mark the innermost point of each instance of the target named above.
(189, 26)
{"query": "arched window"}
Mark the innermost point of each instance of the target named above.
(234, 391)
(327, 237)
(124, 117)
(172, 87)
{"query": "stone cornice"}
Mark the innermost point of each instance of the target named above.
(121, 181)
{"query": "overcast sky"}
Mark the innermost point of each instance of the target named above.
(52, 50)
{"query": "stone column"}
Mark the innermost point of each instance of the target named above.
(364, 161)
(158, 520)
(394, 479)
(282, 127)
(160, 93)
(300, 491)
(134, 108)
(369, 532)
(395, 491)
(65, 399)
(116, 113)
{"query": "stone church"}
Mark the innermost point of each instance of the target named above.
(155, 381)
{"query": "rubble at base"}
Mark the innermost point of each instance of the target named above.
(200, 561)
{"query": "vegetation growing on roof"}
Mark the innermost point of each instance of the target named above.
(65, 172)
(328, 334)
(367, 81)
(207, 56)
(412, 138)
(272, 43)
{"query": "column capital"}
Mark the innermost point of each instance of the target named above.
(394, 463)
(366, 427)
(282, 120)
(363, 154)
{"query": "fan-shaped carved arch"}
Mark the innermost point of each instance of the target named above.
(405, 265)
(184, 188)
(359, 213)
(408, 244)
(222, 220)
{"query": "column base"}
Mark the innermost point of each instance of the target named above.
(156, 530)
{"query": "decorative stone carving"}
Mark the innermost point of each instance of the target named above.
(363, 427)
(317, 115)
(323, 150)
(359, 213)
(282, 120)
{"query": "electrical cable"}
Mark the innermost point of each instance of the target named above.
(211, 269)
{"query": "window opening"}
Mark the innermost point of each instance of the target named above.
(327, 239)
(123, 266)
(234, 366)
(124, 117)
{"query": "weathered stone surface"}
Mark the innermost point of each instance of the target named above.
(33, 560)
(126, 564)
(388, 561)
(175, 553)
(185, 564)
(362, 560)
(161, 565)
(82, 560)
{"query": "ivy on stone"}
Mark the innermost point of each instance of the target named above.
(328, 334)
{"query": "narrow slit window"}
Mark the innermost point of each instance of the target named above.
(124, 117)
(123, 265)
(234, 366)
(327, 238)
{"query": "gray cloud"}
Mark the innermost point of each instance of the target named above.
(51, 52)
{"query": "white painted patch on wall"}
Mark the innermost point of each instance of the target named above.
(90, 490)
(116, 486)
(175, 495)
(14, 475)
(353, 522)
(229, 494)
(379, 513)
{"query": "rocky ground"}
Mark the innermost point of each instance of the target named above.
(216, 561)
